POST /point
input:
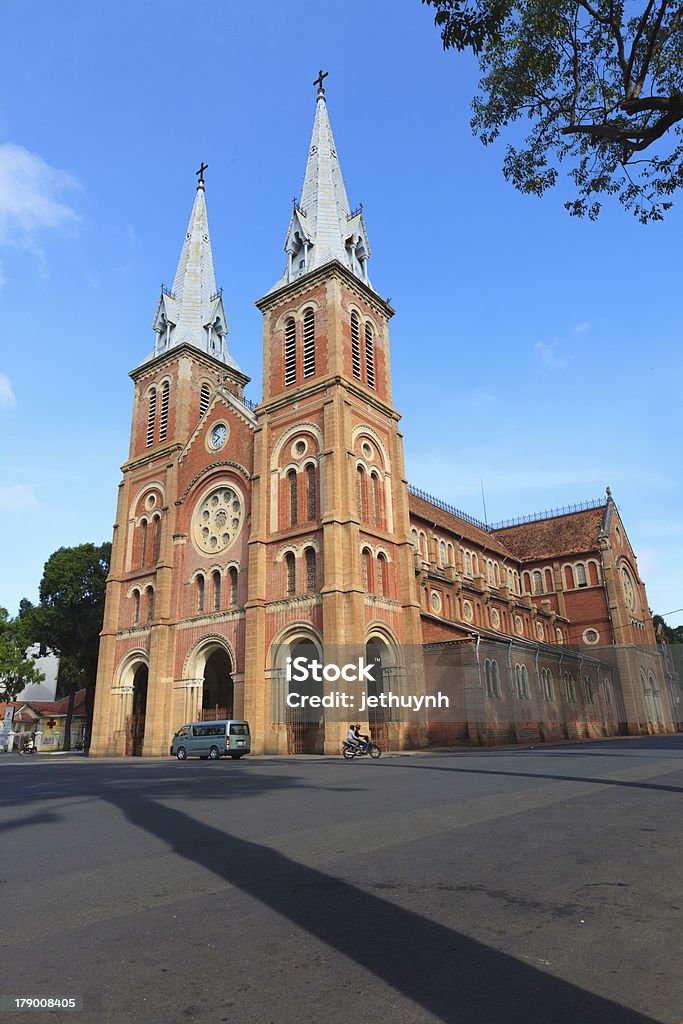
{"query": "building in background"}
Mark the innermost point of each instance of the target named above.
(246, 535)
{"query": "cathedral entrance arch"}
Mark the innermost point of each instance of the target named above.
(305, 725)
(218, 691)
(381, 656)
(135, 722)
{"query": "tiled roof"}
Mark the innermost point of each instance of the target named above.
(47, 707)
(448, 521)
(570, 534)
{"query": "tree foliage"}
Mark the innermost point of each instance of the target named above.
(599, 82)
(17, 668)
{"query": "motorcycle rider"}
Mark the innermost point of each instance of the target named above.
(352, 737)
(360, 738)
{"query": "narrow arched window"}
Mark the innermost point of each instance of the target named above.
(233, 586)
(355, 346)
(538, 582)
(588, 687)
(291, 480)
(136, 607)
(150, 603)
(442, 552)
(290, 573)
(376, 500)
(495, 677)
(311, 497)
(365, 567)
(468, 564)
(309, 343)
(163, 419)
(360, 482)
(369, 356)
(157, 538)
(569, 687)
(311, 574)
(381, 574)
(143, 542)
(204, 396)
(216, 591)
(200, 593)
(290, 353)
(151, 416)
(489, 572)
(581, 575)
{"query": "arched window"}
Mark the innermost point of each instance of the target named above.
(548, 686)
(163, 419)
(157, 538)
(415, 539)
(490, 579)
(309, 343)
(290, 353)
(365, 566)
(376, 498)
(606, 693)
(143, 542)
(492, 675)
(151, 416)
(381, 574)
(150, 603)
(355, 346)
(442, 552)
(200, 593)
(311, 497)
(581, 580)
(232, 574)
(570, 689)
(136, 607)
(290, 573)
(522, 682)
(311, 574)
(537, 581)
(291, 480)
(369, 356)
(588, 687)
(360, 482)
(468, 564)
(216, 591)
(204, 396)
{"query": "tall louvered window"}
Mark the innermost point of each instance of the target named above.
(381, 574)
(233, 587)
(157, 538)
(290, 573)
(200, 593)
(365, 566)
(136, 607)
(311, 581)
(309, 343)
(163, 419)
(369, 356)
(150, 603)
(204, 396)
(310, 492)
(216, 591)
(355, 346)
(291, 480)
(151, 416)
(360, 482)
(143, 542)
(290, 353)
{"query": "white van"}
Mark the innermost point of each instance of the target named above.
(226, 738)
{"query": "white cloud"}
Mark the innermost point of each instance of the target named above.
(30, 197)
(549, 355)
(7, 399)
(582, 327)
(16, 497)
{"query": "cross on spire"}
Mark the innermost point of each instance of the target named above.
(200, 174)
(319, 82)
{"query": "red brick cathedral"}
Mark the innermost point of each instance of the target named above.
(246, 535)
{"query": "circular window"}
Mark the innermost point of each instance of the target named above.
(366, 449)
(519, 625)
(467, 610)
(495, 618)
(591, 636)
(436, 601)
(217, 519)
(299, 448)
(150, 501)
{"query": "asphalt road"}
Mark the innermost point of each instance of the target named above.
(487, 886)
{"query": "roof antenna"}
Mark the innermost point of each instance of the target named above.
(483, 501)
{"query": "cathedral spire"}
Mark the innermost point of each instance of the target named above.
(323, 227)
(192, 312)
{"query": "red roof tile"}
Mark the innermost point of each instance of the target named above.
(448, 521)
(573, 533)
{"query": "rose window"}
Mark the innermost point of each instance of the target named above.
(217, 520)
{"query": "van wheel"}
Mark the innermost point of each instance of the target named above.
(214, 754)
(235, 757)
(181, 753)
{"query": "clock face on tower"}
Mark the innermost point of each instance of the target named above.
(218, 436)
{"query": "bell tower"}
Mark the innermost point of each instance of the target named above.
(331, 563)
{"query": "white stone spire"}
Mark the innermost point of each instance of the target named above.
(192, 311)
(322, 227)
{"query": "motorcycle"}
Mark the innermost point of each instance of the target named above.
(29, 748)
(350, 750)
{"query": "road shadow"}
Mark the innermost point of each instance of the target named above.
(455, 978)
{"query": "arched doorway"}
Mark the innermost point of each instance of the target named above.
(218, 692)
(305, 726)
(135, 722)
(377, 657)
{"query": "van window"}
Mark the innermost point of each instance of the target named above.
(239, 729)
(183, 732)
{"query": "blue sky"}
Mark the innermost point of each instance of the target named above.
(535, 352)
